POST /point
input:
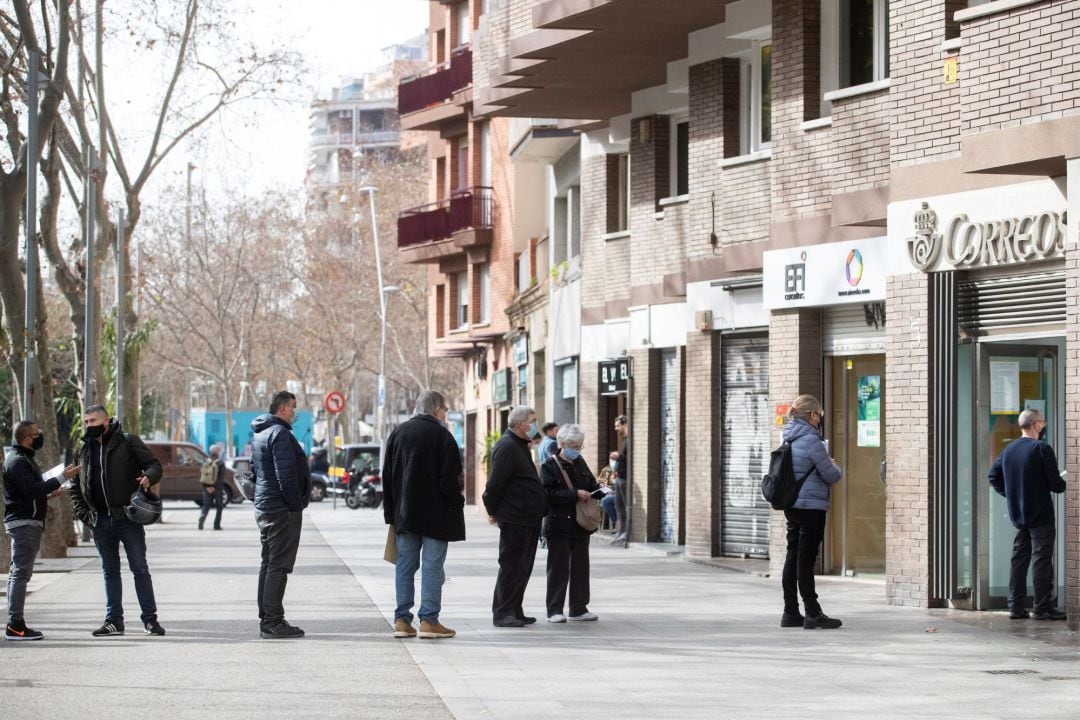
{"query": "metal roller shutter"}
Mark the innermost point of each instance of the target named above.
(744, 446)
(669, 484)
(844, 331)
(1010, 303)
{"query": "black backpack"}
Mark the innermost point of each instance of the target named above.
(780, 487)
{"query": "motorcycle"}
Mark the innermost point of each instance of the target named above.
(364, 490)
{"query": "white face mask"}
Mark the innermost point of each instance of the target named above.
(613, 464)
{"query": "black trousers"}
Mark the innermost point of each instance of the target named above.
(212, 500)
(805, 531)
(280, 536)
(1038, 543)
(517, 553)
(568, 563)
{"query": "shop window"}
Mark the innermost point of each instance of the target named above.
(755, 101)
(618, 193)
(680, 156)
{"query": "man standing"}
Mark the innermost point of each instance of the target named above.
(422, 499)
(214, 488)
(282, 486)
(622, 461)
(547, 445)
(26, 497)
(114, 465)
(516, 500)
(1026, 473)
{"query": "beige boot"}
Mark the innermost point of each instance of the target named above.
(403, 629)
(435, 630)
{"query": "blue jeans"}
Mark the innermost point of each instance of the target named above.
(109, 533)
(409, 548)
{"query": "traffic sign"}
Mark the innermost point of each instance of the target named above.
(334, 402)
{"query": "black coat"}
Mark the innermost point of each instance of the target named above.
(122, 457)
(282, 477)
(562, 519)
(513, 493)
(421, 479)
(26, 493)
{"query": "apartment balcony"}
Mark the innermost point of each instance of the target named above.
(428, 233)
(424, 101)
(321, 139)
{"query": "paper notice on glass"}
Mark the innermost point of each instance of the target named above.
(1004, 387)
(54, 472)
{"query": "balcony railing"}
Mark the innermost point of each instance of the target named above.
(345, 139)
(439, 84)
(469, 208)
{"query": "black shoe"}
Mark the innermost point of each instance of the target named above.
(153, 628)
(202, 520)
(508, 622)
(821, 620)
(1020, 614)
(19, 631)
(217, 527)
(1051, 614)
(280, 631)
(110, 627)
(526, 619)
(791, 620)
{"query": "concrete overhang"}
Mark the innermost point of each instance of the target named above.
(543, 144)
(1039, 149)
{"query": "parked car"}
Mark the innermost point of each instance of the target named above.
(319, 481)
(180, 465)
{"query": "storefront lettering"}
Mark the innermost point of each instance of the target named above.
(968, 243)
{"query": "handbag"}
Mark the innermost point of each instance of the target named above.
(589, 513)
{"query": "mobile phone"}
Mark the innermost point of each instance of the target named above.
(827, 448)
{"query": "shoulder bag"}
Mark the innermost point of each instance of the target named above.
(588, 513)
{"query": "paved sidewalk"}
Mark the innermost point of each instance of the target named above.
(679, 640)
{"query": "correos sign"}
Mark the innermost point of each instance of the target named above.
(827, 274)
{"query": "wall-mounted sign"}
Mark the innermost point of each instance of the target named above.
(828, 274)
(869, 411)
(521, 350)
(500, 387)
(614, 376)
(967, 243)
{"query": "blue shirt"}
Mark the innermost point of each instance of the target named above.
(547, 448)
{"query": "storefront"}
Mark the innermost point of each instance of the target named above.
(995, 261)
(846, 280)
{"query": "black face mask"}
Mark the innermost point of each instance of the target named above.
(93, 432)
(1042, 434)
(39, 442)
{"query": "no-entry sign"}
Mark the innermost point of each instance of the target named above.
(334, 402)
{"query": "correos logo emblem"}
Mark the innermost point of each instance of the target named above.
(853, 267)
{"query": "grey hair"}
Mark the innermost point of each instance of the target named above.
(1028, 418)
(519, 414)
(428, 402)
(571, 433)
(215, 449)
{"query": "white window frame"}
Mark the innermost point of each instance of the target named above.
(462, 16)
(750, 100)
(830, 47)
(485, 154)
(461, 312)
(484, 273)
(676, 120)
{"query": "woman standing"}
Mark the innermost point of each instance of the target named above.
(806, 518)
(567, 481)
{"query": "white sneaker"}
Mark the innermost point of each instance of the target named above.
(584, 617)
(560, 618)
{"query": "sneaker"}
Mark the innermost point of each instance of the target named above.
(19, 631)
(1051, 614)
(109, 628)
(507, 622)
(619, 540)
(821, 620)
(280, 631)
(403, 629)
(584, 617)
(1020, 614)
(154, 628)
(559, 618)
(791, 620)
(435, 630)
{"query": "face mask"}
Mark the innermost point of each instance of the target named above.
(94, 432)
(614, 465)
(39, 442)
(531, 432)
(571, 453)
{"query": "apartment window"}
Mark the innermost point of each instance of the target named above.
(573, 221)
(485, 154)
(484, 275)
(462, 282)
(855, 38)
(680, 156)
(463, 163)
(464, 24)
(618, 193)
(440, 310)
(755, 85)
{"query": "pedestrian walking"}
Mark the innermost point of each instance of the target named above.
(114, 465)
(212, 478)
(26, 498)
(282, 486)
(622, 464)
(515, 499)
(806, 518)
(423, 500)
(1025, 473)
(568, 481)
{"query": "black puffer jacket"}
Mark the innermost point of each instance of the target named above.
(513, 493)
(26, 493)
(562, 519)
(421, 479)
(282, 477)
(121, 457)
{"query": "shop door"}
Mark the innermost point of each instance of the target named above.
(669, 425)
(744, 452)
(855, 425)
(1010, 378)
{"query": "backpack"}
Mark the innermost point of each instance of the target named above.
(208, 473)
(780, 487)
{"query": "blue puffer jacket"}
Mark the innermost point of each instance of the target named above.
(282, 477)
(808, 451)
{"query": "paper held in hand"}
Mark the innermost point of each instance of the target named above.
(390, 551)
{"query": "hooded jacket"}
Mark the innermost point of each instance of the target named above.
(808, 452)
(112, 466)
(282, 476)
(26, 493)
